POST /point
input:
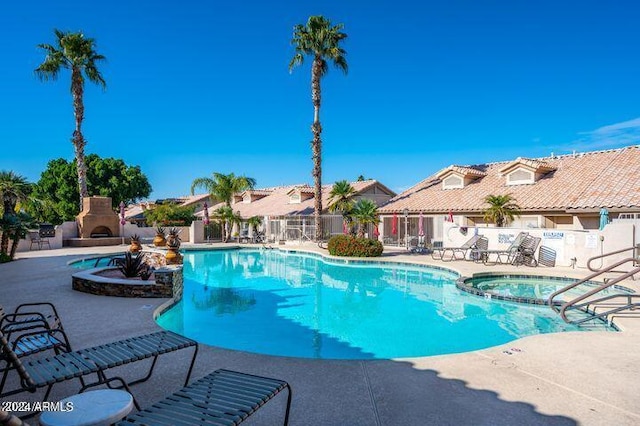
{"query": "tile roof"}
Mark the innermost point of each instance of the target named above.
(535, 164)
(465, 171)
(277, 202)
(585, 181)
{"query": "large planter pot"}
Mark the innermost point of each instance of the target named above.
(135, 247)
(173, 256)
(159, 241)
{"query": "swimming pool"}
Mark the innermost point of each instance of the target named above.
(293, 304)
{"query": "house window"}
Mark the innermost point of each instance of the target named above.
(452, 182)
(520, 177)
(294, 199)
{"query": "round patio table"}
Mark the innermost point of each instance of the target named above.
(93, 408)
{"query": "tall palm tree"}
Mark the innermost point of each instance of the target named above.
(320, 40)
(365, 212)
(502, 209)
(13, 189)
(222, 187)
(341, 199)
(76, 53)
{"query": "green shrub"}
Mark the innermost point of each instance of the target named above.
(347, 245)
(5, 258)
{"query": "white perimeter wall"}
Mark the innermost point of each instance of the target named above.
(568, 244)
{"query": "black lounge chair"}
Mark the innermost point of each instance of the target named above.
(47, 371)
(224, 397)
(39, 328)
(457, 253)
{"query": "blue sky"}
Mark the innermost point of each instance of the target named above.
(198, 86)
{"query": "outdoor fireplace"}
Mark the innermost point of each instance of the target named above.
(97, 218)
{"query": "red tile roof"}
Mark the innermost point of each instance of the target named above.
(586, 181)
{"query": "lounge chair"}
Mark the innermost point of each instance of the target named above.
(224, 397)
(47, 371)
(39, 328)
(480, 250)
(502, 256)
(526, 252)
(457, 253)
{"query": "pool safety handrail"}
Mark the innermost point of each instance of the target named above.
(112, 259)
(562, 309)
(635, 252)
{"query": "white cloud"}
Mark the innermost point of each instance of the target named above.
(610, 136)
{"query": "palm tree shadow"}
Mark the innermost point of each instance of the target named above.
(406, 395)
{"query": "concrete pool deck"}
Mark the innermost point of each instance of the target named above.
(587, 378)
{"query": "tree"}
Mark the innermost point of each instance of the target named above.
(502, 209)
(341, 199)
(222, 187)
(170, 214)
(320, 40)
(227, 218)
(76, 53)
(13, 189)
(254, 222)
(364, 212)
(18, 229)
(57, 190)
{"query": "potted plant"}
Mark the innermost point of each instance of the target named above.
(173, 246)
(135, 246)
(159, 240)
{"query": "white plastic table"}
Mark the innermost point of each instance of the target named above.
(93, 408)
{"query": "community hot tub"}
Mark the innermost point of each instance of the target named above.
(530, 289)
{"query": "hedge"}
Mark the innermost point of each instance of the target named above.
(346, 245)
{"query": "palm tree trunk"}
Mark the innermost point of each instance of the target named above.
(316, 145)
(77, 90)
(4, 244)
(14, 244)
(8, 208)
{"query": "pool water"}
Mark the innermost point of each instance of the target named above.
(91, 262)
(280, 303)
(534, 287)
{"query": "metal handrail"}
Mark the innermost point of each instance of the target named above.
(630, 304)
(602, 256)
(582, 281)
(572, 303)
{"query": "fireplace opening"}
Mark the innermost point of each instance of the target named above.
(101, 232)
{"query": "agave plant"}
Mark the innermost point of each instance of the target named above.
(133, 265)
(160, 230)
(173, 239)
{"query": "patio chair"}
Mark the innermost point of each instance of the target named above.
(479, 253)
(526, 252)
(440, 253)
(39, 326)
(224, 397)
(502, 256)
(46, 371)
(34, 238)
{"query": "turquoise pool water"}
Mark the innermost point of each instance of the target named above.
(298, 305)
(535, 287)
